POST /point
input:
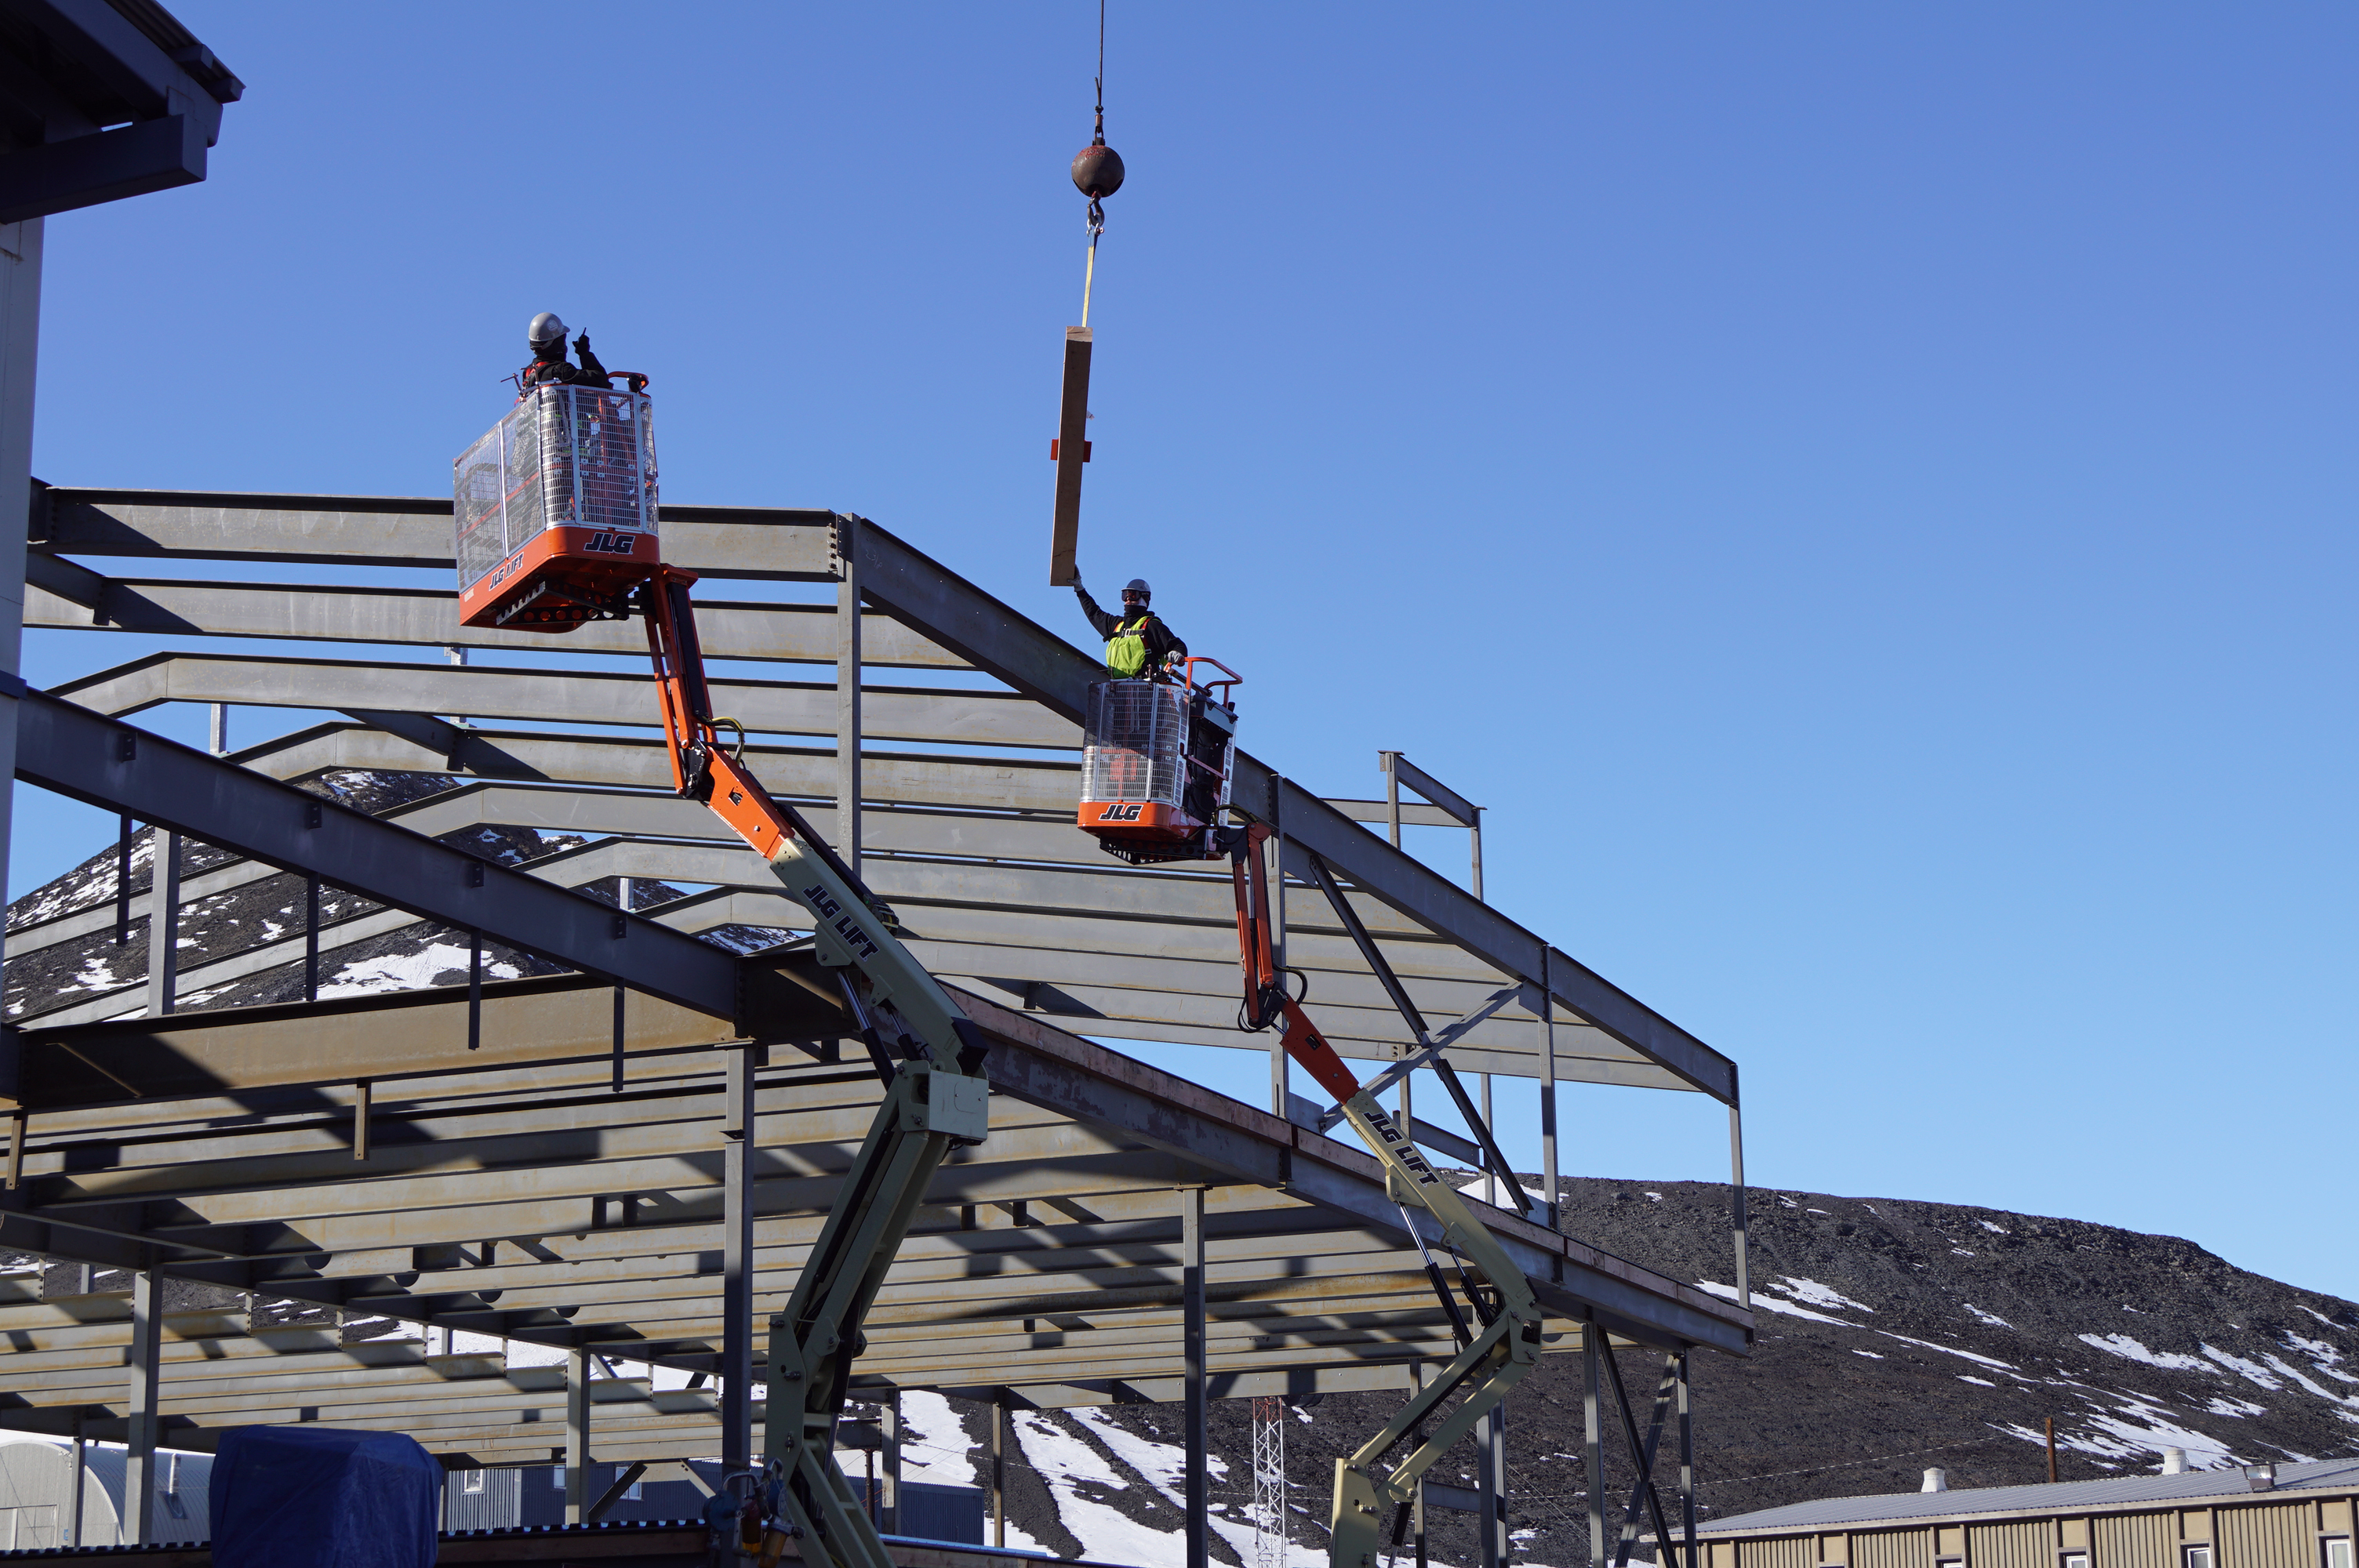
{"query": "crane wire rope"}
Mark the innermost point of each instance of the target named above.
(1096, 220)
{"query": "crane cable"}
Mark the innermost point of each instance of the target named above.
(1097, 173)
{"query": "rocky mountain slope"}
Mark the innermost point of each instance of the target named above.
(1895, 1334)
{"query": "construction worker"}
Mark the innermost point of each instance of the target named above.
(546, 336)
(1138, 643)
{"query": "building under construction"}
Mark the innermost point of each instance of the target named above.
(588, 1196)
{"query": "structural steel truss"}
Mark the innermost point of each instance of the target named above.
(565, 1160)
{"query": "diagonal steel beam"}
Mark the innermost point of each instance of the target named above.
(1367, 946)
(108, 764)
(1642, 1455)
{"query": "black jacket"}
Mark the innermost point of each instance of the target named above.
(1159, 641)
(552, 369)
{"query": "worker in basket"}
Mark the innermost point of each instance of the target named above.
(1138, 644)
(546, 338)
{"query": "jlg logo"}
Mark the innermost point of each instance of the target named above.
(1408, 1154)
(1120, 812)
(612, 544)
(845, 925)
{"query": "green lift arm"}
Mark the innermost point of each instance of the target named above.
(1492, 1358)
(936, 1099)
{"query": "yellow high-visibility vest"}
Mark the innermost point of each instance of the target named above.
(1126, 653)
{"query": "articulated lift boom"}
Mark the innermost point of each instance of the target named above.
(936, 1099)
(1492, 1357)
(557, 525)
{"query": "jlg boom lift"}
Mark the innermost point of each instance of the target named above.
(557, 525)
(1155, 773)
(556, 520)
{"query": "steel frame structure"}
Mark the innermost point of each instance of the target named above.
(631, 1159)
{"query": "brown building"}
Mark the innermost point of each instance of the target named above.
(2285, 1516)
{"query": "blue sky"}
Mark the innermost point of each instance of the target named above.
(1862, 493)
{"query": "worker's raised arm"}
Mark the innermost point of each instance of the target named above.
(1100, 622)
(589, 366)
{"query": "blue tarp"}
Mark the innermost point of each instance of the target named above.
(294, 1496)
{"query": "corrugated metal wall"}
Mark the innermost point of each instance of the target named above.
(495, 1503)
(1795, 1551)
(1892, 1549)
(2028, 1544)
(2277, 1535)
(2136, 1541)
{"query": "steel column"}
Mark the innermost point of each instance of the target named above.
(737, 1130)
(999, 1467)
(72, 1532)
(163, 921)
(1736, 1196)
(146, 1388)
(20, 333)
(1491, 1484)
(1687, 1464)
(889, 1424)
(1592, 1443)
(1191, 1266)
(1282, 1083)
(1548, 1102)
(577, 1436)
(847, 691)
(1418, 1378)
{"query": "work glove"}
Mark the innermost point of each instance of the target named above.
(581, 345)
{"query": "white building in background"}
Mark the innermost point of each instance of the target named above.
(38, 1492)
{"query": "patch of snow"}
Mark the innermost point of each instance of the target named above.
(95, 975)
(1790, 1202)
(2129, 1349)
(1655, 1197)
(522, 1353)
(408, 971)
(1813, 1294)
(1728, 1292)
(1818, 1211)
(1991, 1318)
(2326, 1357)
(2324, 1319)
(1871, 1355)
(1960, 1252)
(2279, 1362)
(1949, 1350)
(1994, 1230)
(1962, 1377)
(935, 1447)
(2250, 1371)
(2222, 1405)
(1165, 1466)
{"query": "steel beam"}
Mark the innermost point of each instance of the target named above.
(63, 595)
(67, 749)
(934, 714)
(996, 640)
(776, 544)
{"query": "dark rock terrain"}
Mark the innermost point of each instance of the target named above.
(1895, 1335)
